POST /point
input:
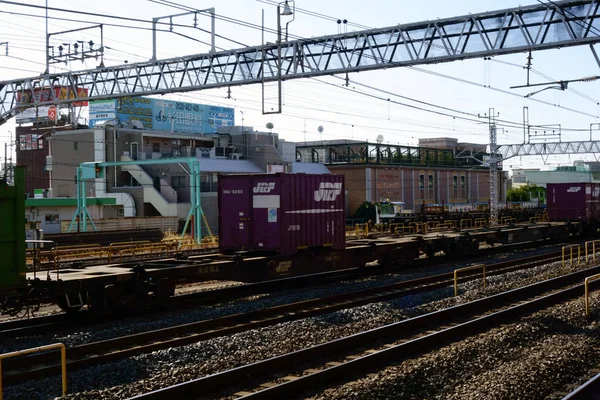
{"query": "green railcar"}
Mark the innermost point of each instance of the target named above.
(12, 233)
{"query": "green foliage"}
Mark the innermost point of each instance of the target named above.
(366, 211)
(525, 193)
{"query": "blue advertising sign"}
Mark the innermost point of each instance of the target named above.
(163, 115)
(102, 110)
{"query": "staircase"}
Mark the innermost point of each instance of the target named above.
(153, 196)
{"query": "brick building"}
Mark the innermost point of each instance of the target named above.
(449, 173)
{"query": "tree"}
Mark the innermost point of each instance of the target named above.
(526, 193)
(365, 211)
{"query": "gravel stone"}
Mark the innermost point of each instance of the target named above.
(506, 354)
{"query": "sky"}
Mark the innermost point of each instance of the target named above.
(358, 111)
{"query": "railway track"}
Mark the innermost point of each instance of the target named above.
(588, 391)
(312, 369)
(57, 322)
(52, 323)
(20, 370)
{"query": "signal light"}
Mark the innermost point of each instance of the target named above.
(99, 171)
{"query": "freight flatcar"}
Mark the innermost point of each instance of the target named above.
(273, 226)
(393, 212)
(281, 213)
(578, 202)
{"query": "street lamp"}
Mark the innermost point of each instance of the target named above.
(283, 9)
(286, 12)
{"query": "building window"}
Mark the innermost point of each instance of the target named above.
(156, 147)
(177, 182)
(462, 182)
(51, 219)
(430, 181)
(421, 181)
(455, 182)
(75, 145)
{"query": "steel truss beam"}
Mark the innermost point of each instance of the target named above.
(547, 149)
(537, 27)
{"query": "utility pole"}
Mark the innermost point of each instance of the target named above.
(493, 177)
(10, 160)
(493, 166)
(5, 161)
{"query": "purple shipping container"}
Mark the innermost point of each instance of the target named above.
(281, 212)
(573, 201)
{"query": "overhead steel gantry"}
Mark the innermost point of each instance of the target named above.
(537, 27)
(548, 149)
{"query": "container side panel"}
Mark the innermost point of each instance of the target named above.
(314, 212)
(593, 203)
(266, 209)
(567, 201)
(288, 212)
(235, 213)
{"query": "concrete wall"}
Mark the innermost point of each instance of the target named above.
(209, 203)
(51, 224)
(287, 150)
(33, 157)
(68, 151)
(260, 147)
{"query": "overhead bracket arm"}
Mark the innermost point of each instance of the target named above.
(595, 54)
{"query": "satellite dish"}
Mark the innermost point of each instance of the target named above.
(320, 129)
(379, 138)
(270, 125)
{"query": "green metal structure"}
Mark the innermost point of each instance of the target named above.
(96, 170)
(12, 232)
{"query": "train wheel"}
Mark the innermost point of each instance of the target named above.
(386, 262)
(163, 290)
(474, 245)
(430, 250)
(459, 250)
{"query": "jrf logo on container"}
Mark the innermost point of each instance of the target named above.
(328, 191)
(574, 189)
(264, 187)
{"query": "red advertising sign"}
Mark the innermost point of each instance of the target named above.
(52, 113)
(46, 94)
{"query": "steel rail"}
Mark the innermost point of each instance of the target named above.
(441, 328)
(588, 391)
(21, 327)
(54, 323)
(115, 349)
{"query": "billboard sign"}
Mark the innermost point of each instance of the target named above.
(33, 114)
(102, 110)
(163, 115)
(52, 93)
(218, 117)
